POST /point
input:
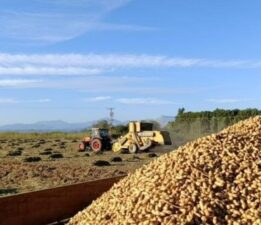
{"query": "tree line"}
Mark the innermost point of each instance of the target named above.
(191, 125)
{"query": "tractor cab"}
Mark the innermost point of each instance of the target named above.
(100, 133)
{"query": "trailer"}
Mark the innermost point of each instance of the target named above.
(51, 206)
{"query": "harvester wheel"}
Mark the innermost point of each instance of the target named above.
(96, 145)
(116, 147)
(133, 148)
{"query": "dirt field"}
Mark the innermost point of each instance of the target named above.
(56, 162)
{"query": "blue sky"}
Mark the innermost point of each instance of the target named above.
(72, 59)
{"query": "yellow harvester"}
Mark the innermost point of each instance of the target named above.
(141, 137)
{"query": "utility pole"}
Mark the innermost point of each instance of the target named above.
(111, 116)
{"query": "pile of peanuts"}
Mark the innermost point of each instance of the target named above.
(213, 180)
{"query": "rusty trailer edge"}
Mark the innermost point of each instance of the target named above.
(50, 205)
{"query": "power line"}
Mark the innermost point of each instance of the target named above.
(111, 116)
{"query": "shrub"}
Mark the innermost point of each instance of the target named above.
(101, 163)
(56, 156)
(33, 159)
(116, 159)
(15, 153)
(45, 153)
(36, 146)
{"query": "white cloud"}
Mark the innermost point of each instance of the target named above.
(19, 83)
(83, 84)
(102, 5)
(44, 100)
(50, 71)
(89, 64)
(7, 101)
(132, 101)
(132, 88)
(98, 98)
(16, 101)
(226, 100)
(144, 101)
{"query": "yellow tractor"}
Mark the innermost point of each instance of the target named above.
(141, 137)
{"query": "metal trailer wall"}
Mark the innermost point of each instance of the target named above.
(47, 206)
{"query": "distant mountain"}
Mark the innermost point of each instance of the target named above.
(59, 125)
(164, 120)
(47, 126)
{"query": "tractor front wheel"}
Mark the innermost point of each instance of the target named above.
(82, 147)
(96, 145)
(116, 147)
(133, 148)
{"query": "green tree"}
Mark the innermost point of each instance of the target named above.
(119, 130)
(181, 111)
(103, 124)
(156, 124)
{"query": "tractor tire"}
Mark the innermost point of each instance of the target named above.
(133, 148)
(82, 147)
(96, 145)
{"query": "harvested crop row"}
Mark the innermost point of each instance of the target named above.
(213, 180)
